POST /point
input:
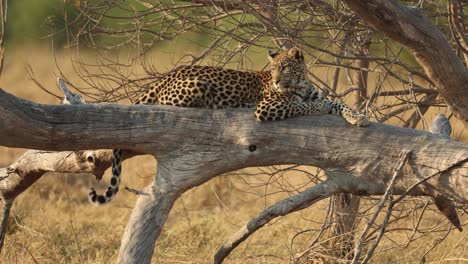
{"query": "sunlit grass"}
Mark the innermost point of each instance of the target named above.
(53, 223)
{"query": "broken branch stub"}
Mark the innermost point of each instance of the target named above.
(33, 164)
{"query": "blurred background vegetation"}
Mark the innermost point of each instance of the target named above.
(32, 22)
(29, 22)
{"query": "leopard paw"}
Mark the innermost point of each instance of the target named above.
(358, 120)
(361, 120)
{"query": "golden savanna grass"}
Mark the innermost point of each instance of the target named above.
(53, 223)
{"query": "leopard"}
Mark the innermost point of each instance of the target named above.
(282, 92)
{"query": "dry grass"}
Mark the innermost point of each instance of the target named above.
(53, 223)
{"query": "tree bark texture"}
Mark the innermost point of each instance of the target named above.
(195, 146)
(429, 46)
(33, 164)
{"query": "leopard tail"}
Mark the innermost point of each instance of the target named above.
(113, 188)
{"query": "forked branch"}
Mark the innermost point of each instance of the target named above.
(33, 164)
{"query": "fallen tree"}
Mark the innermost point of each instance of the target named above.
(192, 147)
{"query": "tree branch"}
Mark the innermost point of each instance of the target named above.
(33, 164)
(294, 203)
(429, 46)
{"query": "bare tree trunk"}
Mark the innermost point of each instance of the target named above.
(358, 160)
(427, 43)
(359, 77)
(345, 211)
(147, 220)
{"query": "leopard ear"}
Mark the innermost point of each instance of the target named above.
(272, 55)
(296, 53)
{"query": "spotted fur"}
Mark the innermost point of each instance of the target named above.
(282, 92)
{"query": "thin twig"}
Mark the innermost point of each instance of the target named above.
(380, 205)
(135, 191)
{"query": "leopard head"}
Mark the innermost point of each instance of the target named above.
(287, 68)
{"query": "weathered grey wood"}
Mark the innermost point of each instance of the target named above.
(147, 219)
(225, 135)
(194, 146)
(427, 43)
(28, 168)
(33, 164)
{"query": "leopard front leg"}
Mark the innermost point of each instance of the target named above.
(351, 116)
(289, 105)
(286, 105)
